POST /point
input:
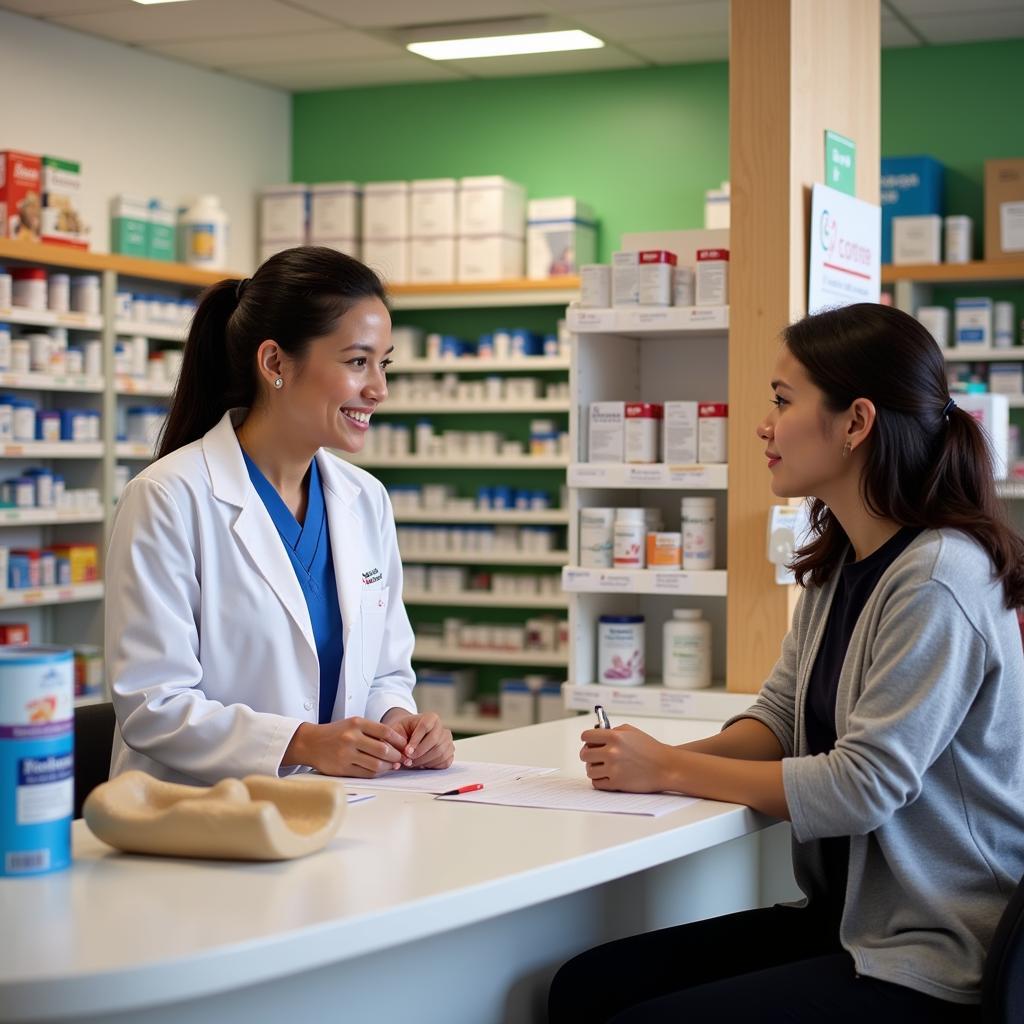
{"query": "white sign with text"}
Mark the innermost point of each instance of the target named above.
(845, 250)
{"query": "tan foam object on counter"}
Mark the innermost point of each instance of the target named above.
(255, 818)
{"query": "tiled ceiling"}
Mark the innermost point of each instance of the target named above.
(322, 44)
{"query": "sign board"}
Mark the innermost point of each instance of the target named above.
(840, 163)
(844, 263)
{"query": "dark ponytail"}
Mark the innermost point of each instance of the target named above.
(295, 296)
(928, 464)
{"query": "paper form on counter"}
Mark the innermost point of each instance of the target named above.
(461, 773)
(569, 794)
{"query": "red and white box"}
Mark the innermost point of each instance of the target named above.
(654, 277)
(21, 198)
(643, 430)
(712, 277)
(712, 432)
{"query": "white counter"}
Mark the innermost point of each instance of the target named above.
(423, 909)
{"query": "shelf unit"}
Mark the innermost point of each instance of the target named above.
(537, 406)
(483, 599)
(556, 291)
(653, 356)
(70, 615)
(549, 517)
(427, 651)
(453, 462)
(558, 558)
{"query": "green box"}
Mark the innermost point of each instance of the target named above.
(129, 224)
(161, 240)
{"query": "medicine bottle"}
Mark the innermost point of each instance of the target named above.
(686, 655)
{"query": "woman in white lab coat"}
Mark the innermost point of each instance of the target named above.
(254, 616)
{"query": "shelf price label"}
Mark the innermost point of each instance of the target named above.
(687, 476)
(592, 320)
(675, 702)
(580, 475)
(14, 449)
(645, 474)
(595, 579)
(672, 582)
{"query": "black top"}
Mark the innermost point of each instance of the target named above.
(853, 588)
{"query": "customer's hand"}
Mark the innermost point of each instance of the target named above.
(625, 759)
(427, 742)
(354, 747)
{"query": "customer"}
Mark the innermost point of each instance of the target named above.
(890, 732)
(254, 618)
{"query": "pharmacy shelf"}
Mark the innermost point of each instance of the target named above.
(52, 382)
(1016, 401)
(475, 724)
(474, 364)
(46, 517)
(143, 388)
(44, 318)
(550, 517)
(428, 651)
(52, 450)
(410, 557)
(555, 291)
(134, 450)
(639, 321)
(97, 262)
(969, 354)
(955, 273)
(495, 462)
(448, 406)
(714, 704)
(1011, 490)
(708, 583)
(656, 476)
(155, 332)
(38, 596)
(484, 599)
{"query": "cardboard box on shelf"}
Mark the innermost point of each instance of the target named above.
(284, 214)
(490, 258)
(561, 236)
(129, 225)
(161, 237)
(432, 260)
(21, 186)
(1004, 209)
(917, 239)
(432, 208)
(389, 257)
(911, 186)
(334, 212)
(61, 220)
(386, 210)
(492, 205)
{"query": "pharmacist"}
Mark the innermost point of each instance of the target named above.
(254, 618)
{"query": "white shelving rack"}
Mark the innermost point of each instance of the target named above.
(651, 355)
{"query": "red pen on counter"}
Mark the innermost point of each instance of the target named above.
(463, 789)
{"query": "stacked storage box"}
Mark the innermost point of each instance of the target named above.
(561, 237)
(335, 210)
(284, 218)
(492, 226)
(432, 220)
(386, 229)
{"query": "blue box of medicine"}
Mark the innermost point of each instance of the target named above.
(973, 323)
(911, 187)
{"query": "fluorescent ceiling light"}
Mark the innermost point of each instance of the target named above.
(148, 2)
(507, 45)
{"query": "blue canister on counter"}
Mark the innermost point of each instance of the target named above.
(36, 758)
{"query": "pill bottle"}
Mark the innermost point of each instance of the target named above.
(698, 516)
(686, 655)
(204, 226)
(596, 537)
(629, 534)
(620, 650)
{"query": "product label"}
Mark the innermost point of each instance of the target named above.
(45, 786)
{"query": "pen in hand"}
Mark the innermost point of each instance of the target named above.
(602, 717)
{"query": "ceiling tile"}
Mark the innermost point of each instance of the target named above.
(394, 13)
(895, 33)
(333, 44)
(45, 8)
(168, 22)
(972, 26)
(914, 7)
(709, 17)
(330, 74)
(605, 59)
(682, 49)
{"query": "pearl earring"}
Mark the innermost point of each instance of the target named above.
(279, 383)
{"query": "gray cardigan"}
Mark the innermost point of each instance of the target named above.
(927, 774)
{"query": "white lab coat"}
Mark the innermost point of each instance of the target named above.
(209, 647)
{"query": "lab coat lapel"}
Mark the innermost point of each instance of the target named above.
(345, 531)
(253, 527)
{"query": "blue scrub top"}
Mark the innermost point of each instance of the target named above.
(309, 549)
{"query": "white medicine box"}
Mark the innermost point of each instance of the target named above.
(335, 211)
(490, 258)
(432, 260)
(492, 205)
(917, 239)
(679, 433)
(972, 323)
(389, 257)
(561, 236)
(442, 691)
(992, 413)
(516, 702)
(284, 214)
(606, 432)
(386, 209)
(433, 208)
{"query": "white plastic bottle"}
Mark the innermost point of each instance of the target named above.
(204, 229)
(629, 539)
(686, 656)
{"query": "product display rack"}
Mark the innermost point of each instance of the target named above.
(650, 355)
(73, 614)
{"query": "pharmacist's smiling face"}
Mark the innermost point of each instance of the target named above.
(337, 387)
(803, 455)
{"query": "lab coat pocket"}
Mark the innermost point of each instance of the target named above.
(373, 611)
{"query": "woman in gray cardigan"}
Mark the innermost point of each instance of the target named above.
(890, 732)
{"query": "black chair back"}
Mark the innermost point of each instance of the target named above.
(94, 736)
(1002, 984)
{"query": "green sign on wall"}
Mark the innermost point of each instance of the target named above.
(840, 163)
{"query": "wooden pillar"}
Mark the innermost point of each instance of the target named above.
(796, 68)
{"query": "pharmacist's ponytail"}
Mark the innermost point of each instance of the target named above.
(296, 296)
(927, 462)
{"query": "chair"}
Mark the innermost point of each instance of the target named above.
(94, 736)
(1002, 983)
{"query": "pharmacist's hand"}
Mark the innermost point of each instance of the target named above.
(625, 759)
(427, 742)
(354, 747)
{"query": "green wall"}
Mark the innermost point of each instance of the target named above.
(643, 145)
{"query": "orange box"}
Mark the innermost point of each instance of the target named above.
(83, 559)
(14, 633)
(664, 550)
(21, 198)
